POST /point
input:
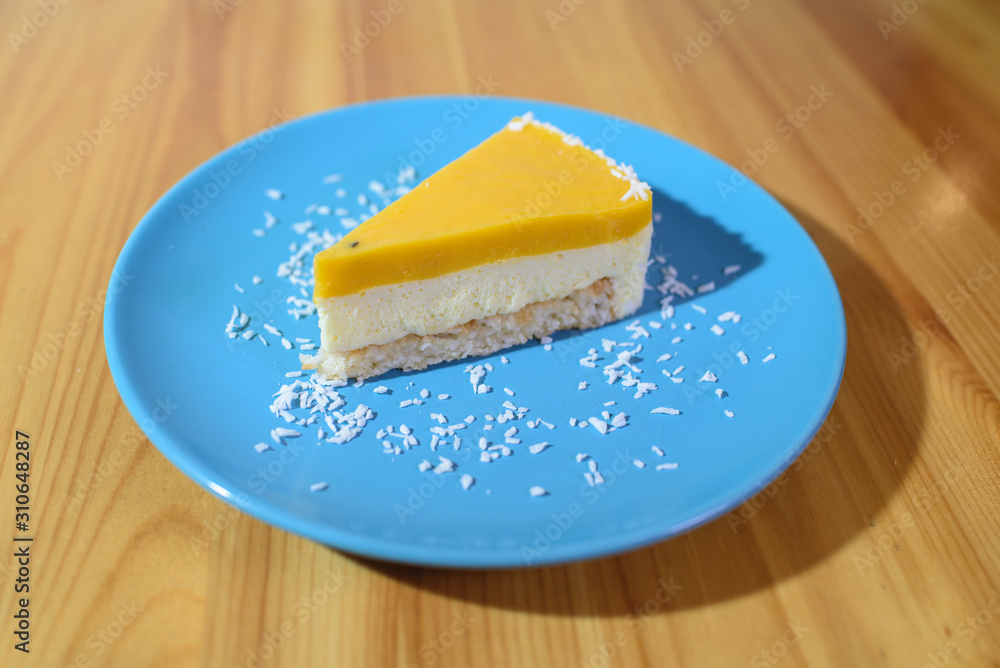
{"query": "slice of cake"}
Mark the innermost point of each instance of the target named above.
(528, 233)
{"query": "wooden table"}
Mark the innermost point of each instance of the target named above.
(880, 547)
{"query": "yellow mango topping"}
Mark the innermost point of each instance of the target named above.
(529, 189)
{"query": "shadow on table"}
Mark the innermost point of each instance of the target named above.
(832, 493)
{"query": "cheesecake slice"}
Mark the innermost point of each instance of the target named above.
(528, 233)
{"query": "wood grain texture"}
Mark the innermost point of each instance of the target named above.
(881, 545)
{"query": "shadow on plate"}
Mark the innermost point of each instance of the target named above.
(833, 492)
(698, 247)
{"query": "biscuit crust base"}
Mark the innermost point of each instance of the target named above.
(592, 306)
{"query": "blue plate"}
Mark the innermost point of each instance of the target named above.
(203, 398)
